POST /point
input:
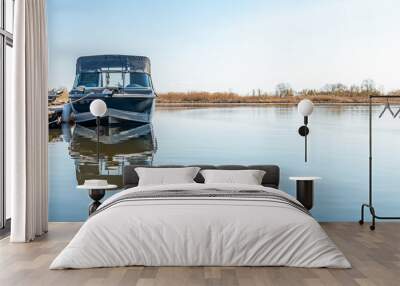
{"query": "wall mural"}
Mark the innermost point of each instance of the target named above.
(212, 88)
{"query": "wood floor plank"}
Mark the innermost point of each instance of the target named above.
(375, 257)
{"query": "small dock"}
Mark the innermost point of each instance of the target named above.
(58, 104)
(55, 116)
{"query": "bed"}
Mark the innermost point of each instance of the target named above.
(197, 224)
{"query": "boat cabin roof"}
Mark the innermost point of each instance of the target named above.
(126, 63)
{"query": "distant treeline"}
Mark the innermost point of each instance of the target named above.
(330, 93)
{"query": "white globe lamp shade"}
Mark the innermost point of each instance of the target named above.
(98, 108)
(305, 107)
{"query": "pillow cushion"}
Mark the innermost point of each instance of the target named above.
(166, 176)
(248, 177)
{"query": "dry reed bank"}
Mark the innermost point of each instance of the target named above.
(209, 98)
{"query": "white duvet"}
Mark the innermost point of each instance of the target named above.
(194, 231)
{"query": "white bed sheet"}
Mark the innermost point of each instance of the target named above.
(200, 232)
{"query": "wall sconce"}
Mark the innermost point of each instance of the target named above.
(98, 108)
(305, 108)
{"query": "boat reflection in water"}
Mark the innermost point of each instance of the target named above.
(118, 146)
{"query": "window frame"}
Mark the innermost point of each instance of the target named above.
(6, 39)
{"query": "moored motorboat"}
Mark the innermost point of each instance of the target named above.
(122, 82)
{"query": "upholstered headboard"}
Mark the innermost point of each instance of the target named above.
(271, 177)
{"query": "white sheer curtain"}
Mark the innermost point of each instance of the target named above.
(27, 127)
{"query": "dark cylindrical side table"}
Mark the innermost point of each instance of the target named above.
(305, 190)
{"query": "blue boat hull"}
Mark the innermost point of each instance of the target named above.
(120, 108)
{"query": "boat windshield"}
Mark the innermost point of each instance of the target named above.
(114, 79)
(137, 80)
(88, 79)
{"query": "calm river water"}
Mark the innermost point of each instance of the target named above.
(338, 152)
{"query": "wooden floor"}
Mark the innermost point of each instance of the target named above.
(375, 257)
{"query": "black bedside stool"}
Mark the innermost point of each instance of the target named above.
(305, 190)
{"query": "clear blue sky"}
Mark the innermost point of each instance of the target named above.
(232, 45)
